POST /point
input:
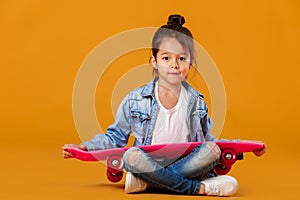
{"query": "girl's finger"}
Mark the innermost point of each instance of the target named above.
(67, 154)
(66, 146)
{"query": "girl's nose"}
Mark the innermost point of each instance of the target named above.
(174, 64)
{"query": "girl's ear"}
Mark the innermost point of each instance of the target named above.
(192, 64)
(153, 62)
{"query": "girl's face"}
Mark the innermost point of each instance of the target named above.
(172, 62)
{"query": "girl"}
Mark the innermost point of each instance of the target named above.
(166, 110)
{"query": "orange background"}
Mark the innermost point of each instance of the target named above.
(255, 45)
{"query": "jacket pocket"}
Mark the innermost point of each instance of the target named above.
(139, 117)
(140, 124)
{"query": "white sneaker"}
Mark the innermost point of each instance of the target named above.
(134, 184)
(221, 185)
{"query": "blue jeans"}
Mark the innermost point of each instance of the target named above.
(183, 176)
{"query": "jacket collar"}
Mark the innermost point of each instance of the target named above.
(148, 89)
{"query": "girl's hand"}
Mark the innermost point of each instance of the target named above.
(67, 154)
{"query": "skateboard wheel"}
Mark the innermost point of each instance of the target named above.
(228, 157)
(221, 169)
(115, 164)
(114, 177)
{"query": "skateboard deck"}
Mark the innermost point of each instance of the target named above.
(231, 151)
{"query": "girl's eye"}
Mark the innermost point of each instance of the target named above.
(182, 58)
(166, 58)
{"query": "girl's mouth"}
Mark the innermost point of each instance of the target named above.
(174, 73)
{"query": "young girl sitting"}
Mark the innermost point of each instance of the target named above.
(166, 110)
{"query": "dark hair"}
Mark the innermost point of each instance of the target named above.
(174, 29)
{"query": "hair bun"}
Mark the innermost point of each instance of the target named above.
(175, 22)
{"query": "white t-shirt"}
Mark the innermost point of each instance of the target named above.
(171, 124)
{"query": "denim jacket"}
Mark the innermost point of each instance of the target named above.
(137, 115)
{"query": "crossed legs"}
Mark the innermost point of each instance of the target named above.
(183, 176)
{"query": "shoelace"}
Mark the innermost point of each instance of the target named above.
(214, 189)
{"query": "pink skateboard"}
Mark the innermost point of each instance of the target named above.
(231, 151)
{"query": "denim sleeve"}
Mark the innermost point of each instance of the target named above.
(206, 127)
(117, 134)
(206, 124)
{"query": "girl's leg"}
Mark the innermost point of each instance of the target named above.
(199, 162)
(144, 167)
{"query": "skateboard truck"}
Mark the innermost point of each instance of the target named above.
(228, 158)
(114, 170)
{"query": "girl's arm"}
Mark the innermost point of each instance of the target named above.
(117, 134)
(206, 127)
